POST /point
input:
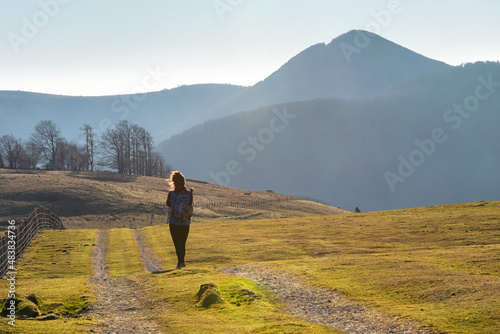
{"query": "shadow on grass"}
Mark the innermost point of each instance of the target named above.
(162, 271)
(103, 176)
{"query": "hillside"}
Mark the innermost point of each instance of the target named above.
(358, 152)
(107, 200)
(162, 113)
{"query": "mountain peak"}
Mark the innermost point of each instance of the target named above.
(353, 65)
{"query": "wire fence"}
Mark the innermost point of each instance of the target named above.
(262, 204)
(259, 204)
(40, 219)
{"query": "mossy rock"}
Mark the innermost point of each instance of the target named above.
(244, 296)
(209, 295)
(24, 307)
(34, 299)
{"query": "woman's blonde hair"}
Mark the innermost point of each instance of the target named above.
(176, 181)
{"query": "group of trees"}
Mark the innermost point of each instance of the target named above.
(127, 148)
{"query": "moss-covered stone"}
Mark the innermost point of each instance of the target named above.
(208, 295)
(34, 299)
(24, 307)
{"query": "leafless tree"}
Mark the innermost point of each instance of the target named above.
(111, 150)
(2, 165)
(89, 136)
(130, 149)
(13, 150)
(32, 155)
(48, 138)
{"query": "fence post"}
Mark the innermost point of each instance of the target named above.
(3, 256)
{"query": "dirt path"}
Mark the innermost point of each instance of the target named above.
(324, 306)
(152, 262)
(121, 306)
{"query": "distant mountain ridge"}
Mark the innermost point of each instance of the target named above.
(320, 71)
(428, 141)
(331, 71)
(162, 113)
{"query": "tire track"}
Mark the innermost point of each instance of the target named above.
(121, 305)
(152, 262)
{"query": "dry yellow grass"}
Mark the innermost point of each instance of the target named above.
(111, 200)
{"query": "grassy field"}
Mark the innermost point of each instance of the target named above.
(105, 200)
(56, 268)
(436, 265)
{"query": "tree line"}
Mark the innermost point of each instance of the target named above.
(126, 148)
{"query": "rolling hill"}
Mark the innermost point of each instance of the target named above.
(106, 199)
(163, 113)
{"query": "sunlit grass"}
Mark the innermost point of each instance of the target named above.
(56, 268)
(437, 265)
(123, 256)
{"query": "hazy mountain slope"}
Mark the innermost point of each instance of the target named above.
(340, 150)
(162, 113)
(320, 71)
(354, 65)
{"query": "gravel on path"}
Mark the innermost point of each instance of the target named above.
(323, 306)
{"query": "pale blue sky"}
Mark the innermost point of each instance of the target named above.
(90, 47)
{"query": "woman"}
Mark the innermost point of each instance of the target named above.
(179, 223)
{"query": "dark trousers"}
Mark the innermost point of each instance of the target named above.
(179, 235)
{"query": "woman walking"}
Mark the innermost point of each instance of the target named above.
(180, 202)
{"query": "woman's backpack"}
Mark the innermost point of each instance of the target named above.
(182, 205)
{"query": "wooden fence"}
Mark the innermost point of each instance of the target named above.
(40, 219)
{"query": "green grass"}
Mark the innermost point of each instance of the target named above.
(123, 255)
(56, 268)
(435, 265)
(237, 313)
(178, 288)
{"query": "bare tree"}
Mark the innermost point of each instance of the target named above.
(48, 138)
(13, 149)
(32, 155)
(124, 132)
(89, 135)
(159, 166)
(111, 150)
(130, 149)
